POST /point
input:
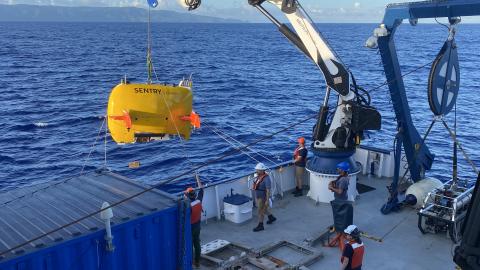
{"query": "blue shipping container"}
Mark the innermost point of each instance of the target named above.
(151, 231)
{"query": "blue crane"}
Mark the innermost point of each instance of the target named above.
(418, 155)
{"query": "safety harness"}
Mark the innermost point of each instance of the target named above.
(357, 256)
(196, 212)
(258, 181)
(297, 151)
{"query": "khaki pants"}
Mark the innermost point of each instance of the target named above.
(263, 209)
(299, 174)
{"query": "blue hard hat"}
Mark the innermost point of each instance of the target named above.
(344, 166)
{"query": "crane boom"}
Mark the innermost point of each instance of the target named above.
(310, 42)
(336, 132)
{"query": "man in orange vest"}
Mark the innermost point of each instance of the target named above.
(261, 187)
(352, 256)
(300, 161)
(195, 217)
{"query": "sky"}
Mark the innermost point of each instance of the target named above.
(319, 10)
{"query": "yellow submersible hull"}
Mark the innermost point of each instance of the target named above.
(145, 112)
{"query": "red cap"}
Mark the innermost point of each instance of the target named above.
(189, 190)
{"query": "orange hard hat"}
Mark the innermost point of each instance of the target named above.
(189, 190)
(301, 140)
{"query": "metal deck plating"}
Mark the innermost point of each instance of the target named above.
(300, 219)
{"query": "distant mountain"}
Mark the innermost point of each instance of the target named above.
(35, 13)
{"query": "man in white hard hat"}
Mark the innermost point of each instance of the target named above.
(352, 255)
(261, 187)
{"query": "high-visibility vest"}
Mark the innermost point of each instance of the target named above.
(196, 211)
(357, 257)
(258, 181)
(297, 151)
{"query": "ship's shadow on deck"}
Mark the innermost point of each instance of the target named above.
(299, 219)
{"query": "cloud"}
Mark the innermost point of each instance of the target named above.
(356, 11)
(319, 11)
(352, 14)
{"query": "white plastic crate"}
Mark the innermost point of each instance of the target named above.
(238, 213)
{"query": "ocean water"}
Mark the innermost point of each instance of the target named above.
(249, 81)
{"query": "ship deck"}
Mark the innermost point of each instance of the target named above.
(299, 218)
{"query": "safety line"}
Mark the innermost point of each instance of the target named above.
(151, 67)
(105, 147)
(404, 75)
(460, 146)
(182, 141)
(154, 187)
(394, 227)
(247, 153)
(228, 137)
(149, 48)
(234, 146)
(93, 145)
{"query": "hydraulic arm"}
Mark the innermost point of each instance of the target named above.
(340, 130)
(352, 114)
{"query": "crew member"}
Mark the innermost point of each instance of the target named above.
(262, 186)
(342, 208)
(300, 161)
(195, 217)
(352, 255)
(339, 187)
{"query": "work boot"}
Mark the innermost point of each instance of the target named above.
(299, 193)
(295, 191)
(271, 219)
(196, 265)
(259, 227)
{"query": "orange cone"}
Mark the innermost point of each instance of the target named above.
(125, 118)
(194, 119)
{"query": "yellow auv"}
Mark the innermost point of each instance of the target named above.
(144, 112)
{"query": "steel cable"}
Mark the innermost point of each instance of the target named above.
(93, 145)
(454, 138)
(154, 187)
(230, 140)
(404, 75)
